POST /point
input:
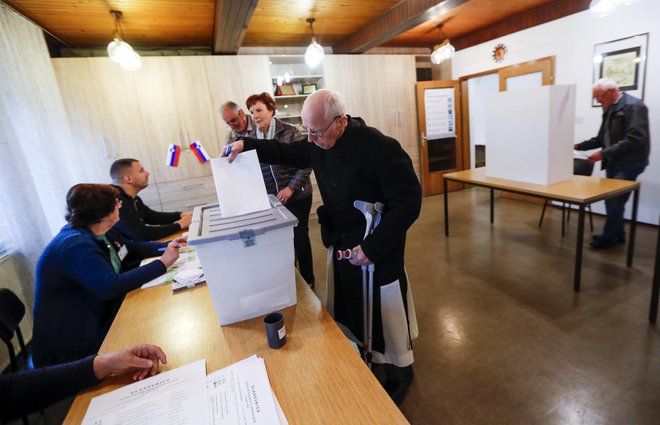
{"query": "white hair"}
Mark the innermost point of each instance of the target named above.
(332, 101)
(606, 84)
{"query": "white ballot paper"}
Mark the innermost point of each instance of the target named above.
(240, 394)
(177, 396)
(187, 261)
(240, 185)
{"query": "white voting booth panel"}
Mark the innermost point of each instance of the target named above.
(248, 260)
(529, 134)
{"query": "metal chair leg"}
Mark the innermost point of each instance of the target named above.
(545, 204)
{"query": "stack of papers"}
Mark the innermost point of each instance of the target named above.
(187, 265)
(239, 394)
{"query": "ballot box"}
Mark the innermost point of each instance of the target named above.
(529, 134)
(248, 259)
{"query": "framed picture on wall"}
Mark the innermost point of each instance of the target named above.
(624, 61)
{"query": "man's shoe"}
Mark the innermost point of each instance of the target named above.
(397, 390)
(600, 242)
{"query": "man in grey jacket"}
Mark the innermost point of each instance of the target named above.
(624, 145)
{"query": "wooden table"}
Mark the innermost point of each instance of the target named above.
(317, 376)
(579, 190)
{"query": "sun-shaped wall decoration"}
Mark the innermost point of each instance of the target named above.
(499, 52)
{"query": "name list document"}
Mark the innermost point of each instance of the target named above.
(240, 394)
(177, 396)
(240, 185)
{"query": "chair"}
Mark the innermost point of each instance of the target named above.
(581, 167)
(12, 311)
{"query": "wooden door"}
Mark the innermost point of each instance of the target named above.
(439, 117)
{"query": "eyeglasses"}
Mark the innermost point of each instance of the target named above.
(316, 133)
(600, 96)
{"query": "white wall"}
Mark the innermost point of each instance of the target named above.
(571, 40)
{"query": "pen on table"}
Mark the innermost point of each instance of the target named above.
(227, 150)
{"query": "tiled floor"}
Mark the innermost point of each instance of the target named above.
(503, 337)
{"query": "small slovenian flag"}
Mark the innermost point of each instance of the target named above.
(199, 152)
(173, 152)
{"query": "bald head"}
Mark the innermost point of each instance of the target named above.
(324, 116)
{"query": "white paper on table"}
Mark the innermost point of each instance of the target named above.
(580, 154)
(177, 396)
(240, 185)
(188, 260)
(240, 394)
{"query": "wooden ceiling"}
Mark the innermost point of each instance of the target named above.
(348, 26)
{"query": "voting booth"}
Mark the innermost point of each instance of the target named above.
(529, 134)
(248, 259)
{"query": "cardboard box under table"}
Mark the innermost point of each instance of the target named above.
(248, 260)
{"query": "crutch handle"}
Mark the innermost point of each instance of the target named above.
(346, 254)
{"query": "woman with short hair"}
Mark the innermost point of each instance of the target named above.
(84, 273)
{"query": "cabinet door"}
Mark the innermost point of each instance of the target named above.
(193, 99)
(234, 78)
(79, 94)
(381, 90)
(160, 116)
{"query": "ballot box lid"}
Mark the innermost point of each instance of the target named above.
(208, 224)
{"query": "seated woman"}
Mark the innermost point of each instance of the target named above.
(83, 275)
(291, 186)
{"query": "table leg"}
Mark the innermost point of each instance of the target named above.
(633, 227)
(444, 187)
(492, 203)
(578, 250)
(653, 312)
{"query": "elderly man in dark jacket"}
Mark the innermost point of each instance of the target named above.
(624, 145)
(352, 162)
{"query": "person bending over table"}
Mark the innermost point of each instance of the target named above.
(353, 161)
(84, 273)
(291, 185)
(26, 392)
(624, 144)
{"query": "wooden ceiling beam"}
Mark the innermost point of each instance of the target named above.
(231, 21)
(531, 18)
(399, 19)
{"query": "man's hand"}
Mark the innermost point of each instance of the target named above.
(284, 195)
(360, 259)
(236, 148)
(595, 157)
(184, 221)
(141, 360)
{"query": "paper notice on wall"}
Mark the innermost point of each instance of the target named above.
(440, 113)
(240, 185)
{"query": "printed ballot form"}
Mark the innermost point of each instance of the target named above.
(177, 396)
(240, 185)
(239, 394)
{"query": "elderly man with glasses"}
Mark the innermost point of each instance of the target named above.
(624, 145)
(352, 162)
(240, 123)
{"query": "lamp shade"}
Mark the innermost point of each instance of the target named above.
(119, 50)
(314, 54)
(132, 62)
(601, 8)
(442, 53)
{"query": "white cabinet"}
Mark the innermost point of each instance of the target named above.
(171, 100)
(381, 90)
(292, 81)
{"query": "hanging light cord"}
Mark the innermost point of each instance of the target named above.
(311, 27)
(119, 33)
